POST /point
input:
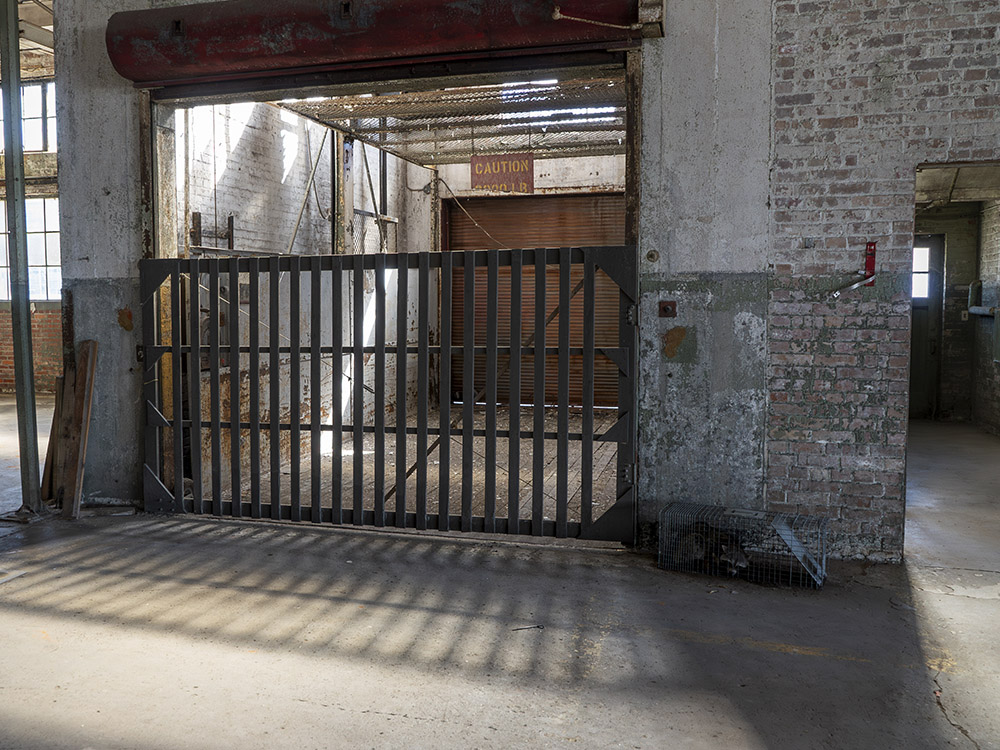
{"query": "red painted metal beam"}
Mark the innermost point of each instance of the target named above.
(250, 38)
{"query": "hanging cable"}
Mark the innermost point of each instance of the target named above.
(481, 228)
(305, 200)
(558, 15)
(315, 190)
(375, 206)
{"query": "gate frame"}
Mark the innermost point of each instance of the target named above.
(625, 510)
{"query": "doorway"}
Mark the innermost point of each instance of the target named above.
(952, 504)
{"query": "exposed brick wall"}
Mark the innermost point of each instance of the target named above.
(989, 257)
(46, 340)
(959, 223)
(253, 161)
(987, 395)
(863, 92)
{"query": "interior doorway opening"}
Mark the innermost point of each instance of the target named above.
(953, 506)
(312, 341)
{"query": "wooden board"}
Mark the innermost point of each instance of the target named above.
(48, 473)
(78, 392)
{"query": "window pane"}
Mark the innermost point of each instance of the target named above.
(36, 249)
(37, 283)
(4, 284)
(55, 283)
(920, 285)
(34, 212)
(31, 101)
(52, 134)
(52, 255)
(50, 93)
(921, 259)
(51, 214)
(33, 135)
(3, 216)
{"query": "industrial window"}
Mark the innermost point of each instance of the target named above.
(921, 272)
(44, 268)
(38, 117)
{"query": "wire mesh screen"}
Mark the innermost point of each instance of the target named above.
(578, 116)
(368, 237)
(759, 546)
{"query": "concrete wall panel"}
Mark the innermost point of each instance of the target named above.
(101, 234)
(704, 244)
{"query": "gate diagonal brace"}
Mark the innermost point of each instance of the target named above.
(617, 433)
(155, 491)
(625, 275)
(619, 357)
(482, 392)
(154, 416)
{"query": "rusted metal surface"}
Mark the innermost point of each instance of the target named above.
(553, 221)
(505, 173)
(249, 38)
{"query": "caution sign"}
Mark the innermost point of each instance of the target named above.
(504, 173)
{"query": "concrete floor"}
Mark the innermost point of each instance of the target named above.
(146, 632)
(10, 462)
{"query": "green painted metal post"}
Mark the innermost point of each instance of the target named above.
(24, 382)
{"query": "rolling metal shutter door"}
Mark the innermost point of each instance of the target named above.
(529, 222)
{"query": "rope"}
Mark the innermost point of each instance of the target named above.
(558, 15)
(471, 217)
(315, 190)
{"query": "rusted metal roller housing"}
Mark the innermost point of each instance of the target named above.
(255, 38)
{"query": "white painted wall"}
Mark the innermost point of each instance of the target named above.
(253, 161)
(594, 173)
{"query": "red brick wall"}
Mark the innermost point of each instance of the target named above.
(46, 333)
(863, 92)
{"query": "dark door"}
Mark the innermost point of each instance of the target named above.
(927, 293)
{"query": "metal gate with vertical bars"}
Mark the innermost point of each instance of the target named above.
(316, 389)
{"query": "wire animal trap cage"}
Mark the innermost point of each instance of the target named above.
(759, 546)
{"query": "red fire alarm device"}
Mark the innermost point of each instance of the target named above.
(870, 263)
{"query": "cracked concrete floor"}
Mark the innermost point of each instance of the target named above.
(149, 632)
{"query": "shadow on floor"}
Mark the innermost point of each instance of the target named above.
(647, 657)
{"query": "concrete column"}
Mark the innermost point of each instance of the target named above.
(704, 244)
(102, 236)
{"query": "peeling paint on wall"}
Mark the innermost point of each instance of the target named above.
(672, 340)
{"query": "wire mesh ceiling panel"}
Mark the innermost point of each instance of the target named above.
(579, 116)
